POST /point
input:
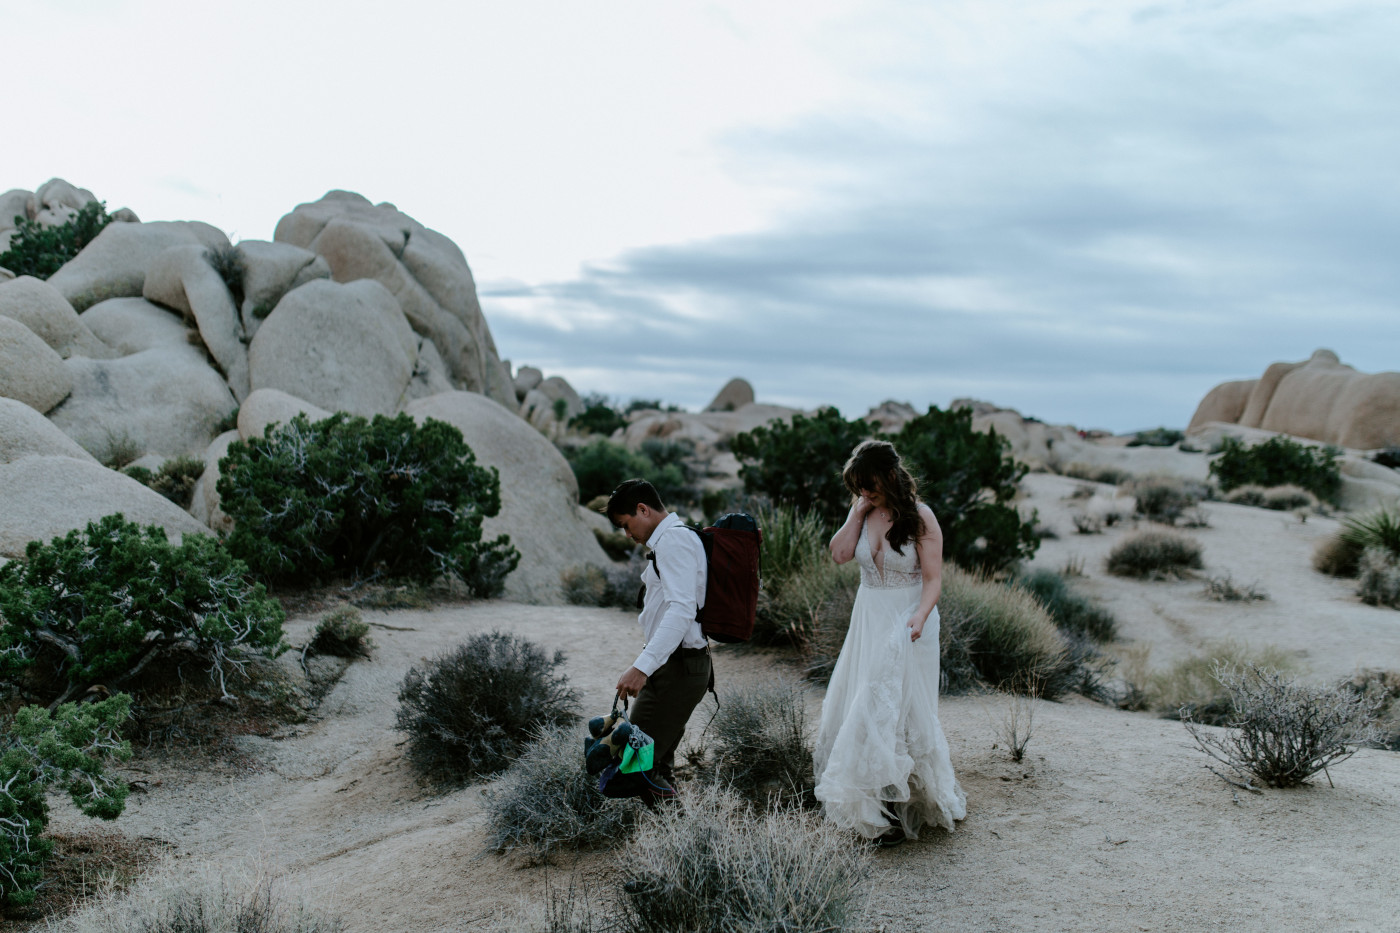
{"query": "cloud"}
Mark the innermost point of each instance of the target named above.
(1186, 196)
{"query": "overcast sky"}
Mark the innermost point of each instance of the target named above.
(1091, 212)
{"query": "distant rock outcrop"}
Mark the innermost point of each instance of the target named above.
(735, 395)
(1320, 398)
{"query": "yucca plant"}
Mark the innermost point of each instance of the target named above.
(1378, 529)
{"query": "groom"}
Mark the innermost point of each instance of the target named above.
(670, 676)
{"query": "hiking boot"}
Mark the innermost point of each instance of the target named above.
(890, 837)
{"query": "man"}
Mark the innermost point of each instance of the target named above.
(670, 676)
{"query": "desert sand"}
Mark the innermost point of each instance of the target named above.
(1111, 823)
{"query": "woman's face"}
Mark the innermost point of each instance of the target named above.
(875, 496)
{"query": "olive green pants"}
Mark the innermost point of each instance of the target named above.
(664, 705)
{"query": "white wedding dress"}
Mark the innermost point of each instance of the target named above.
(879, 741)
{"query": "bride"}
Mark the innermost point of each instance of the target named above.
(881, 760)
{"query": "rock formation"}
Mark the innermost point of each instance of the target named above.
(1320, 398)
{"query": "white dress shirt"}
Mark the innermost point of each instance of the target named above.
(673, 597)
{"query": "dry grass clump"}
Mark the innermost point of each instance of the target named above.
(711, 864)
(1016, 725)
(1189, 688)
(1385, 687)
(1096, 473)
(830, 620)
(999, 635)
(1086, 524)
(591, 585)
(1282, 731)
(1249, 494)
(343, 633)
(1336, 556)
(799, 577)
(210, 900)
(1164, 498)
(1225, 589)
(759, 746)
(1154, 555)
(1072, 611)
(472, 710)
(545, 802)
(1378, 578)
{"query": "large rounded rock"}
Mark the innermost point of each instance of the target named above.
(166, 400)
(526, 379)
(204, 501)
(430, 375)
(38, 306)
(343, 347)
(30, 370)
(265, 407)
(57, 201)
(130, 325)
(423, 269)
(182, 278)
(1320, 398)
(270, 270)
(1226, 402)
(539, 495)
(43, 497)
(114, 264)
(735, 395)
(26, 433)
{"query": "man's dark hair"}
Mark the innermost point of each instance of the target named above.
(632, 493)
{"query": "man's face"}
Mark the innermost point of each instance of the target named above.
(638, 527)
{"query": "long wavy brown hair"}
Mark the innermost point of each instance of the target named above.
(876, 465)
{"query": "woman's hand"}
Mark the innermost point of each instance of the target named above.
(863, 506)
(916, 627)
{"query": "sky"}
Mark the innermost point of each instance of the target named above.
(1090, 212)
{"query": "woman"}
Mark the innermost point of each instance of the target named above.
(881, 760)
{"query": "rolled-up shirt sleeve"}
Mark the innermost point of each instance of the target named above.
(680, 562)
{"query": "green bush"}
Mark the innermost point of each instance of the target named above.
(998, 635)
(343, 634)
(175, 479)
(1154, 555)
(600, 465)
(598, 417)
(98, 605)
(799, 576)
(350, 496)
(969, 479)
(472, 710)
(41, 251)
(591, 585)
(759, 746)
(545, 802)
(1277, 462)
(1156, 437)
(69, 749)
(1378, 529)
(710, 864)
(1163, 498)
(1072, 611)
(799, 464)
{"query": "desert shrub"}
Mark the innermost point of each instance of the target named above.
(343, 634)
(1015, 726)
(207, 900)
(1377, 529)
(599, 416)
(615, 544)
(1248, 494)
(98, 605)
(545, 802)
(1156, 437)
(759, 745)
(1277, 462)
(1072, 611)
(649, 404)
(1288, 497)
(1283, 731)
(1086, 524)
(175, 479)
(41, 251)
(1154, 555)
(969, 479)
(1335, 556)
(1384, 688)
(1190, 687)
(1378, 578)
(1097, 473)
(70, 749)
(119, 449)
(591, 585)
(472, 710)
(227, 261)
(799, 576)
(1163, 498)
(711, 865)
(1387, 457)
(798, 464)
(383, 497)
(600, 465)
(998, 635)
(1135, 687)
(831, 618)
(1224, 589)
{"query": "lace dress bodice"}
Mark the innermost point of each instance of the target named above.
(901, 567)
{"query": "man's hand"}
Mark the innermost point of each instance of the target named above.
(631, 683)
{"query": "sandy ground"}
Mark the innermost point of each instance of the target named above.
(1111, 823)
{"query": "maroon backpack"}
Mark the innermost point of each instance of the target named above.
(731, 579)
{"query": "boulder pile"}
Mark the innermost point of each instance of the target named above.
(157, 338)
